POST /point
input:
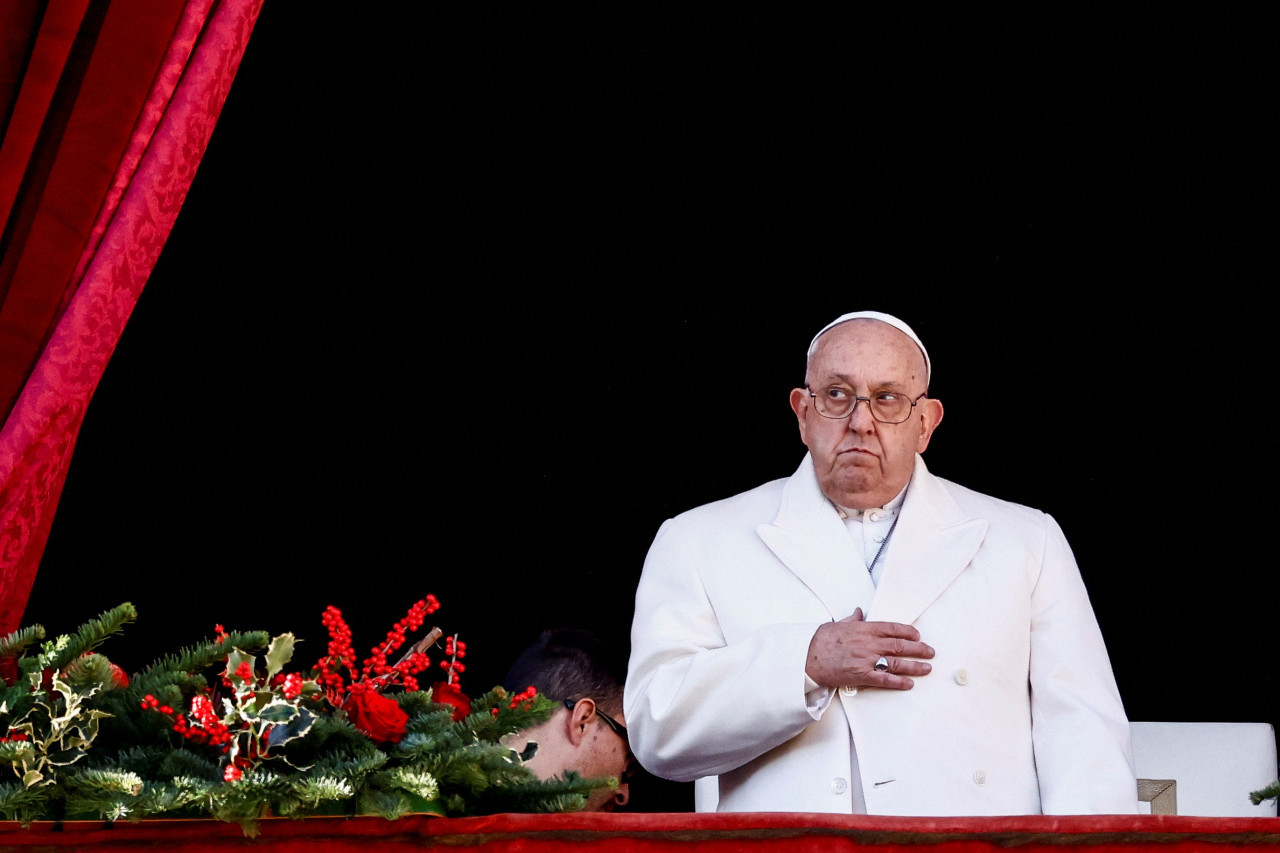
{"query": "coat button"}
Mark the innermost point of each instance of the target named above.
(849, 691)
(839, 786)
(962, 677)
(979, 777)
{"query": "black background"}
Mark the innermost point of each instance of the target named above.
(460, 290)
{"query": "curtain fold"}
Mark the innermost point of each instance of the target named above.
(109, 113)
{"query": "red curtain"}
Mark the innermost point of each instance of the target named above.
(106, 108)
(665, 833)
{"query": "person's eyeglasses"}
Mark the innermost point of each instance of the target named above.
(618, 728)
(888, 407)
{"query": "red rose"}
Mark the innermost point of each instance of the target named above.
(377, 716)
(449, 694)
(9, 669)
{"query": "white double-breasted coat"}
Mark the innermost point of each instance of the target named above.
(1020, 714)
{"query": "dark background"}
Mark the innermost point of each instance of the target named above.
(459, 291)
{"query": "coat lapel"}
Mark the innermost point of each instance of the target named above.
(809, 537)
(933, 543)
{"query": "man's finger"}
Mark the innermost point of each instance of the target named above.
(907, 648)
(895, 629)
(906, 666)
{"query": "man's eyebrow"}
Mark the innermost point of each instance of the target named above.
(844, 378)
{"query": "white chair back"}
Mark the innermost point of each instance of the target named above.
(1214, 765)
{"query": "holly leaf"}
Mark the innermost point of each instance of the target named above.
(279, 653)
(289, 729)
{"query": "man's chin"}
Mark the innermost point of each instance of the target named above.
(861, 494)
(847, 486)
(606, 804)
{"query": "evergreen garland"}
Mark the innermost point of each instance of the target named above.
(222, 730)
(1270, 792)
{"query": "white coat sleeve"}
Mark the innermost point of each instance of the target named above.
(696, 705)
(1079, 729)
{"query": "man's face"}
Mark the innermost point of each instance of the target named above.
(606, 753)
(860, 462)
(579, 739)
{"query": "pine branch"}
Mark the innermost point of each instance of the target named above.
(472, 769)
(17, 700)
(109, 794)
(23, 804)
(91, 668)
(185, 764)
(13, 644)
(391, 805)
(1270, 792)
(253, 796)
(177, 797)
(93, 632)
(192, 659)
(532, 795)
(335, 747)
(309, 793)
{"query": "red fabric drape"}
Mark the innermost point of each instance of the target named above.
(108, 106)
(678, 833)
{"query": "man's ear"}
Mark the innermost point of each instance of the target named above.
(930, 417)
(579, 714)
(800, 404)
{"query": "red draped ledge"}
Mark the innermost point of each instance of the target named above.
(703, 833)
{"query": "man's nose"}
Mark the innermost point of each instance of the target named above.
(860, 419)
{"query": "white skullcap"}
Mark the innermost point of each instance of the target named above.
(883, 318)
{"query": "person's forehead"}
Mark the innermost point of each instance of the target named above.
(873, 320)
(857, 347)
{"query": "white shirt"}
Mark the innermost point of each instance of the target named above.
(870, 530)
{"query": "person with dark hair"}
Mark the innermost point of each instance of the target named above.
(587, 734)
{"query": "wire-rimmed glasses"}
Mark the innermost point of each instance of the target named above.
(887, 407)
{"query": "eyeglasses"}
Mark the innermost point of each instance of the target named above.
(888, 407)
(618, 728)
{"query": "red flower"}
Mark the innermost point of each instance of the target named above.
(377, 716)
(9, 669)
(449, 694)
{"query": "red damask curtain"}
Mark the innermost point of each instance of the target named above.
(106, 107)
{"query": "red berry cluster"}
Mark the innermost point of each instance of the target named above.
(235, 768)
(151, 702)
(205, 727)
(376, 672)
(340, 653)
(524, 699)
(14, 735)
(456, 650)
(292, 686)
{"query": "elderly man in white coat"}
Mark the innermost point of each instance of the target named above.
(865, 637)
